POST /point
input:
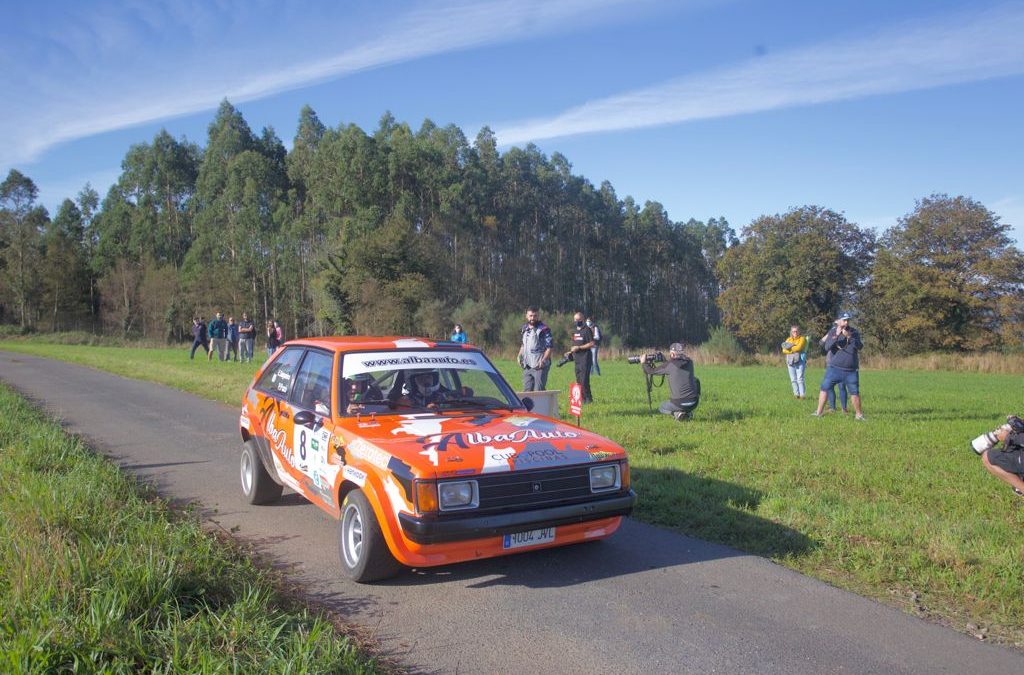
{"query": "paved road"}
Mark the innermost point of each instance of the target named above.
(645, 601)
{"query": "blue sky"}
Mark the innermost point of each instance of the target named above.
(732, 108)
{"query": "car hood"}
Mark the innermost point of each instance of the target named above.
(450, 444)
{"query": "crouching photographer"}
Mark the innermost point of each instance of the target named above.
(684, 388)
(1006, 464)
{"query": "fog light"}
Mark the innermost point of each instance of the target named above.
(462, 494)
(604, 478)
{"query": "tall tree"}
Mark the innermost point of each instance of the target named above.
(21, 223)
(799, 267)
(64, 273)
(947, 277)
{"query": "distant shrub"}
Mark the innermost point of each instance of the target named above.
(723, 347)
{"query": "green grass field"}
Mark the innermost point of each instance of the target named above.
(97, 575)
(895, 508)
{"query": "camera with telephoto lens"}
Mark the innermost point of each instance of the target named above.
(565, 359)
(989, 439)
(656, 357)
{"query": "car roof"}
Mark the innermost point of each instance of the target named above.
(351, 343)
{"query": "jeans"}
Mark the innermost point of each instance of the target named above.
(232, 348)
(830, 395)
(245, 345)
(796, 377)
(594, 368)
(195, 345)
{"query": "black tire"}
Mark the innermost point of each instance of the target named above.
(364, 552)
(257, 485)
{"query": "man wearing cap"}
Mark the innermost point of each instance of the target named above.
(682, 385)
(843, 344)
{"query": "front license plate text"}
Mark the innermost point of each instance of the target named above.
(531, 538)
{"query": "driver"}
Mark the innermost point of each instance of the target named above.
(361, 389)
(423, 388)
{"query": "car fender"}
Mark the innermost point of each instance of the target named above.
(377, 494)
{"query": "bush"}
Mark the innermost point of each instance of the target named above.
(723, 347)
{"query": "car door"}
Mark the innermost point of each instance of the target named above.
(275, 413)
(310, 405)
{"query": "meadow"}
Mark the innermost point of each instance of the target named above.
(896, 508)
(97, 574)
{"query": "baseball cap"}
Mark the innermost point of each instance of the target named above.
(844, 316)
(676, 347)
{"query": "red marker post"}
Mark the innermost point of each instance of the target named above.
(576, 401)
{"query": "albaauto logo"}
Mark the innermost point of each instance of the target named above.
(415, 360)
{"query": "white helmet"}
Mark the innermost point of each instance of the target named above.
(425, 382)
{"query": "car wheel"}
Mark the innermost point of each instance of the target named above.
(257, 485)
(364, 552)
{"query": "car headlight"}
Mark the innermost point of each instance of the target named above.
(454, 495)
(604, 478)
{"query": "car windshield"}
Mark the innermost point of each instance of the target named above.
(398, 382)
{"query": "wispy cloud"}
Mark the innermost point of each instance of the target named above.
(946, 50)
(121, 64)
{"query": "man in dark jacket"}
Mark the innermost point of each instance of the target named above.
(219, 337)
(1007, 464)
(682, 385)
(582, 343)
(842, 345)
(199, 336)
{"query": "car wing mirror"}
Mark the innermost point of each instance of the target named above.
(305, 418)
(528, 402)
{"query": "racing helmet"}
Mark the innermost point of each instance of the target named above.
(425, 382)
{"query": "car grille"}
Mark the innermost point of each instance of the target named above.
(519, 490)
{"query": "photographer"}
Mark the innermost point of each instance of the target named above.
(683, 386)
(1006, 465)
(843, 344)
(580, 354)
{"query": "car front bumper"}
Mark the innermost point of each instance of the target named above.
(435, 530)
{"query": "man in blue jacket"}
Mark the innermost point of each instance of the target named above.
(843, 344)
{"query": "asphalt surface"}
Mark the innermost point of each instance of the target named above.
(644, 601)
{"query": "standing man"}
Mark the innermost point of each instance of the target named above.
(199, 337)
(535, 352)
(233, 337)
(844, 344)
(218, 337)
(597, 344)
(246, 337)
(582, 343)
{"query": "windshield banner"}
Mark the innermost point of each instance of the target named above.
(376, 361)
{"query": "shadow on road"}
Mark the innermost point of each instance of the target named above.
(707, 507)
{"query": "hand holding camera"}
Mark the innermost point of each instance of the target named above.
(990, 439)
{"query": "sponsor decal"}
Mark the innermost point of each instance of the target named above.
(369, 452)
(390, 360)
(496, 459)
(275, 435)
(420, 425)
(520, 436)
(244, 422)
(598, 456)
(355, 475)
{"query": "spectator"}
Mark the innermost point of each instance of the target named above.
(592, 325)
(233, 337)
(1006, 464)
(199, 337)
(272, 341)
(246, 337)
(831, 393)
(219, 338)
(795, 349)
(582, 343)
(459, 335)
(844, 343)
(279, 332)
(535, 351)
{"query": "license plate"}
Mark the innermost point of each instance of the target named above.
(531, 538)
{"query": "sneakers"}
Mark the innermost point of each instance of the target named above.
(1017, 492)
(817, 414)
(860, 418)
(681, 416)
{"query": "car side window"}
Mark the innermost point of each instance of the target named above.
(278, 377)
(312, 389)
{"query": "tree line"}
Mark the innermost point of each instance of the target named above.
(405, 232)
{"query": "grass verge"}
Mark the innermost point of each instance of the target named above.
(98, 575)
(895, 508)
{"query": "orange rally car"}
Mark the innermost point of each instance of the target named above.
(424, 453)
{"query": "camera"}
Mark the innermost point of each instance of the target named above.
(565, 359)
(656, 357)
(989, 440)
